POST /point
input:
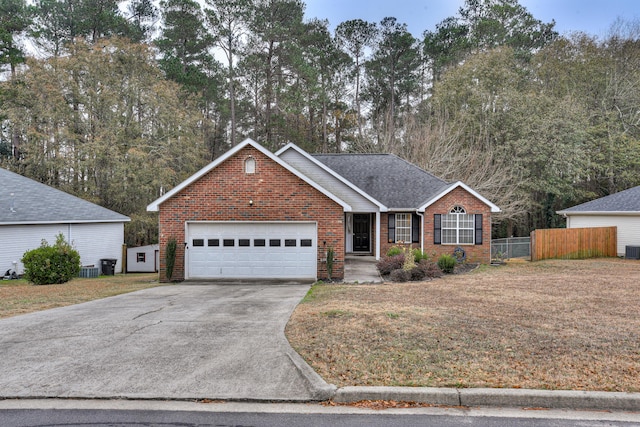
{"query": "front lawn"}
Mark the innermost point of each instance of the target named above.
(20, 297)
(545, 325)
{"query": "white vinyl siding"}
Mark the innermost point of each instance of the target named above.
(628, 227)
(93, 241)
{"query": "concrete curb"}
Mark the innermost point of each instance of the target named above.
(318, 388)
(513, 398)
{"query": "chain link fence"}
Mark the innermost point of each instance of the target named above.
(512, 247)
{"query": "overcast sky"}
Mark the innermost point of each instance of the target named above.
(590, 16)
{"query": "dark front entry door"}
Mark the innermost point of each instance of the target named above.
(361, 232)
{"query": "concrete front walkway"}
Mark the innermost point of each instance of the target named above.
(190, 341)
(361, 269)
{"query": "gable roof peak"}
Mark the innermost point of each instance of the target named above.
(155, 205)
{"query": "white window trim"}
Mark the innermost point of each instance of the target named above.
(459, 213)
(250, 165)
(406, 229)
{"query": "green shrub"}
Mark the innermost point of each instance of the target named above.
(50, 265)
(447, 263)
(170, 257)
(418, 255)
(394, 250)
(330, 255)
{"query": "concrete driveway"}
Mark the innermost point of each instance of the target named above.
(189, 341)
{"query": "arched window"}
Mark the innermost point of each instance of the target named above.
(457, 227)
(250, 165)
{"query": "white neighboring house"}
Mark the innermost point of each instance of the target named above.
(143, 259)
(621, 210)
(31, 211)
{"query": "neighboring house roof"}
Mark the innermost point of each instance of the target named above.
(154, 206)
(623, 203)
(25, 201)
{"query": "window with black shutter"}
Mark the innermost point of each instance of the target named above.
(437, 229)
(478, 228)
(392, 228)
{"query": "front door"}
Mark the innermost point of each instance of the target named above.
(361, 232)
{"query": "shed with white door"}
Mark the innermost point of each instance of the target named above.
(143, 259)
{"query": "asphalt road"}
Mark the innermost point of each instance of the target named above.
(265, 415)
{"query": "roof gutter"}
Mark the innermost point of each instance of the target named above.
(594, 213)
(65, 222)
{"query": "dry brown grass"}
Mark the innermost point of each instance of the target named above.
(20, 297)
(545, 325)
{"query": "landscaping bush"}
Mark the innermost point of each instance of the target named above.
(429, 268)
(330, 255)
(50, 265)
(417, 274)
(447, 263)
(394, 250)
(387, 265)
(400, 275)
(409, 262)
(170, 257)
(418, 255)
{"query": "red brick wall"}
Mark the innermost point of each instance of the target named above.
(458, 197)
(223, 194)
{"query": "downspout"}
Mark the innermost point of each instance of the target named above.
(421, 231)
(378, 235)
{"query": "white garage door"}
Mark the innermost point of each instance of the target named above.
(251, 250)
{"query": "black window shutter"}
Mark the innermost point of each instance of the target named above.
(392, 228)
(478, 229)
(415, 228)
(437, 229)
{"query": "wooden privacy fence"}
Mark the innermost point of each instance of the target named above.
(573, 243)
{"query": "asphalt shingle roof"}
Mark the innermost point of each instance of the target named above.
(624, 201)
(387, 178)
(25, 201)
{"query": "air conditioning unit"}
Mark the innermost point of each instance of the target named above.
(632, 252)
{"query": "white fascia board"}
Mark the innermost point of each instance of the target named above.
(66, 222)
(449, 189)
(155, 205)
(598, 213)
(331, 172)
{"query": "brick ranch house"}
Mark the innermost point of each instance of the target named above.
(255, 214)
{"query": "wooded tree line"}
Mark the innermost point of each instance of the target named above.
(117, 101)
